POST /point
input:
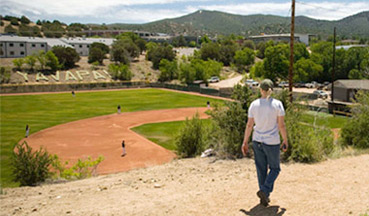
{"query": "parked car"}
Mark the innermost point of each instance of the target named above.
(321, 94)
(310, 85)
(299, 84)
(251, 83)
(283, 84)
(213, 79)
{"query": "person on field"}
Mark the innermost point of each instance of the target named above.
(124, 149)
(119, 109)
(208, 104)
(266, 120)
(27, 131)
(73, 94)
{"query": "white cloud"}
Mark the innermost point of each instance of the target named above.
(330, 10)
(141, 16)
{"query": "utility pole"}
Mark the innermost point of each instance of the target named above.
(292, 39)
(333, 62)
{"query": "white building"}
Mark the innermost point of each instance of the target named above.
(304, 38)
(82, 45)
(18, 47)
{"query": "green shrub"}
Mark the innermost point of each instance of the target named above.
(66, 56)
(306, 143)
(168, 70)
(30, 167)
(18, 63)
(5, 74)
(82, 169)
(96, 55)
(227, 134)
(120, 72)
(355, 131)
(191, 139)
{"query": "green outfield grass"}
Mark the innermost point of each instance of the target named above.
(324, 119)
(163, 133)
(47, 110)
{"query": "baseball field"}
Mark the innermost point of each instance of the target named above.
(88, 124)
(42, 111)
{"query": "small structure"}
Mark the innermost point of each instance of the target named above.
(344, 92)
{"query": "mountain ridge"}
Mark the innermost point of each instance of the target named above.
(220, 23)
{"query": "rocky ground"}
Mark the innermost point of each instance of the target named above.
(203, 186)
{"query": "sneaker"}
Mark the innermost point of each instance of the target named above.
(263, 198)
(268, 201)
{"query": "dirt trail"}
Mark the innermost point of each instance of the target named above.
(103, 136)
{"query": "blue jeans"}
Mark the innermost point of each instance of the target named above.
(266, 156)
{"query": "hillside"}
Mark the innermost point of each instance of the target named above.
(214, 22)
(211, 23)
(201, 186)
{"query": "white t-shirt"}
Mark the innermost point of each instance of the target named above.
(265, 113)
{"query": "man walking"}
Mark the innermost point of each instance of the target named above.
(268, 116)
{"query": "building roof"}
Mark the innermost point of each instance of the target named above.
(352, 84)
(14, 38)
(54, 42)
(49, 41)
(346, 47)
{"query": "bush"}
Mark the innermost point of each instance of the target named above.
(67, 56)
(355, 131)
(25, 20)
(52, 61)
(96, 55)
(82, 169)
(157, 53)
(9, 29)
(31, 61)
(120, 72)
(306, 143)
(30, 168)
(18, 63)
(4, 75)
(168, 70)
(244, 95)
(229, 123)
(191, 139)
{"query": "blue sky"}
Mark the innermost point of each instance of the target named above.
(143, 11)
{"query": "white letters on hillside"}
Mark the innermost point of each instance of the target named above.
(40, 76)
(107, 73)
(69, 76)
(56, 76)
(24, 75)
(97, 75)
(66, 76)
(80, 73)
